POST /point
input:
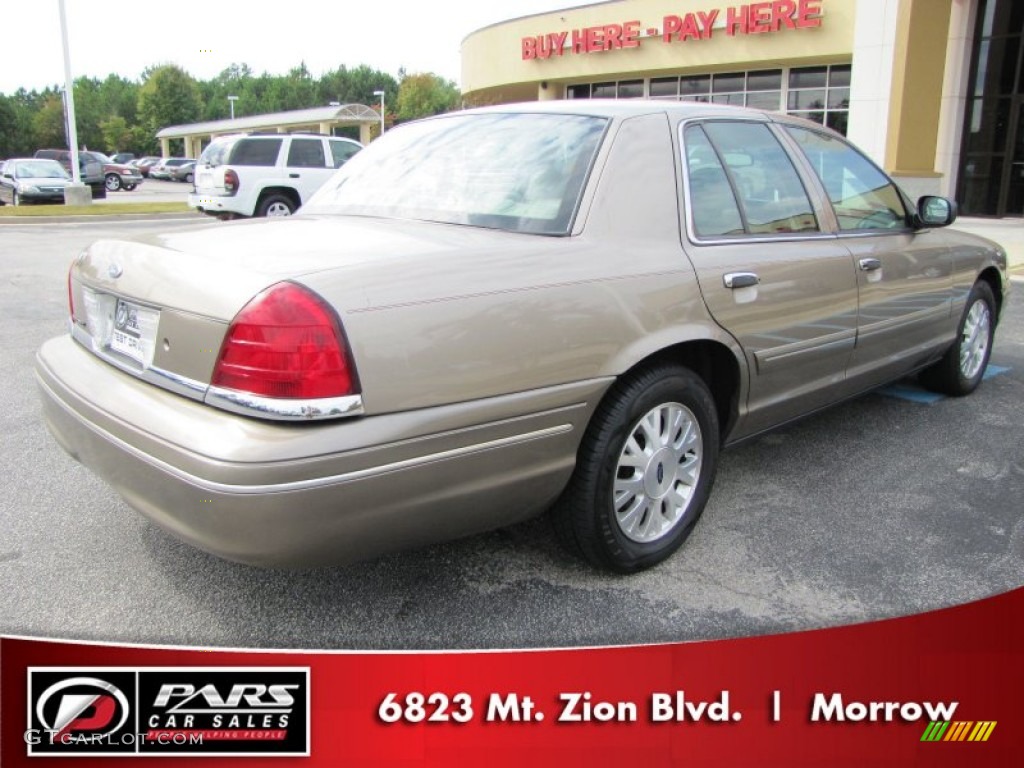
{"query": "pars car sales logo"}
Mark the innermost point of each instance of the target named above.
(114, 711)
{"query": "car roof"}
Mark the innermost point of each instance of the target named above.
(624, 108)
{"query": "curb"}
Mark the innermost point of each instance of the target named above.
(81, 219)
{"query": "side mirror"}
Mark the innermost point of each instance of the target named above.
(933, 211)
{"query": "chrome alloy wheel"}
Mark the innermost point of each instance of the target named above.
(278, 209)
(657, 472)
(975, 339)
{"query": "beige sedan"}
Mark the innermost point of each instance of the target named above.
(486, 315)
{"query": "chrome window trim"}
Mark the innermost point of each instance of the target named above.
(279, 409)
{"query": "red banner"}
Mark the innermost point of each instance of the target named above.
(937, 689)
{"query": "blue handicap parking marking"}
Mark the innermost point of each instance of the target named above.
(994, 370)
(906, 389)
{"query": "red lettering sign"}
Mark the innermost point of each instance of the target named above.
(756, 18)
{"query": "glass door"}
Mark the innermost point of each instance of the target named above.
(991, 179)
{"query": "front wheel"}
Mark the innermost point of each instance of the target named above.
(113, 182)
(276, 205)
(962, 368)
(644, 471)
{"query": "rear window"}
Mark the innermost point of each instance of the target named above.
(255, 152)
(516, 172)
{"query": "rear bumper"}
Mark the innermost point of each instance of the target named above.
(308, 494)
(217, 204)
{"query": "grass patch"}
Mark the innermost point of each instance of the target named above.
(96, 209)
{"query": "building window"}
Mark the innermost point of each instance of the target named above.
(623, 89)
(821, 94)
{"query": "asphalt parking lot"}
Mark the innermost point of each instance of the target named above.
(150, 191)
(887, 505)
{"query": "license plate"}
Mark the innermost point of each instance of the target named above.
(134, 331)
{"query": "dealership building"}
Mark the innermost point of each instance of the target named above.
(933, 90)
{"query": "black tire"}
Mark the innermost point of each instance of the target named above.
(585, 516)
(271, 203)
(189, 178)
(962, 368)
(112, 182)
(129, 187)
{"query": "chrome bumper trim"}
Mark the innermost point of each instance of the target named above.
(277, 409)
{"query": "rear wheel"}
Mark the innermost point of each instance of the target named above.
(961, 369)
(276, 205)
(113, 182)
(644, 471)
(129, 187)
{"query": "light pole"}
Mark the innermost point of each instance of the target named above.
(381, 94)
(79, 193)
(232, 100)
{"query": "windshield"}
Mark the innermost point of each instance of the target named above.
(39, 169)
(517, 172)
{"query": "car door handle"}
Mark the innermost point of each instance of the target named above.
(870, 265)
(740, 279)
(293, 175)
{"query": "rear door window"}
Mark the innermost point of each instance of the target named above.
(713, 207)
(306, 153)
(256, 152)
(765, 181)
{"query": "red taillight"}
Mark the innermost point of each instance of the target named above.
(71, 296)
(286, 343)
(231, 181)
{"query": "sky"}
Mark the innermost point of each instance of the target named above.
(206, 36)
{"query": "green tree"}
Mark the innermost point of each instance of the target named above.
(48, 123)
(356, 86)
(426, 94)
(8, 127)
(117, 135)
(169, 96)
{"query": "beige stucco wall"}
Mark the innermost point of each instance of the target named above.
(493, 69)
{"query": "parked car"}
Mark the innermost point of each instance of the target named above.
(165, 167)
(184, 172)
(90, 170)
(269, 175)
(117, 175)
(494, 312)
(28, 180)
(144, 164)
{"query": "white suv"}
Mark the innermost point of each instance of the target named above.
(265, 175)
